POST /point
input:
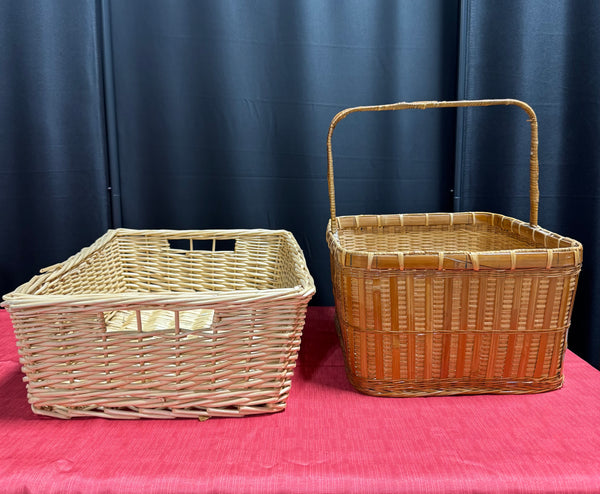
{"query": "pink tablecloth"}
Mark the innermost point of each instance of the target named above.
(330, 439)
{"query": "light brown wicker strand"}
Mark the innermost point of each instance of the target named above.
(410, 318)
(460, 365)
(548, 313)
(447, 326)
(533, 159)
(479, 326)
(496, 310)
(560, 339)
(394, 322)
(514, 321)
(533, 294)
(428, 354)
(379, 344)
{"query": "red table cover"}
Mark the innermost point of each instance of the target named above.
(330, 439)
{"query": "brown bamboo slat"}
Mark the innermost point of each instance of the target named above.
(138, 326)
(451, 303)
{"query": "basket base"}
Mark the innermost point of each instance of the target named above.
(469, 385)
(449, 387)
(132, 413)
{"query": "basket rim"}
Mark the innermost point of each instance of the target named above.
(164, 299)
(565, 252)
(22, 296)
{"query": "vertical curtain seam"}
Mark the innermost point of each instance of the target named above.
(110, 117)
(462, 82)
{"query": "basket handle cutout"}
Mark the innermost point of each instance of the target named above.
(534, 194)
(169, 321)
(208, 244)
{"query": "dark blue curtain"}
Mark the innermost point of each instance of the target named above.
(53, 179)
(544, 52)
(222, 110)
(214, 114)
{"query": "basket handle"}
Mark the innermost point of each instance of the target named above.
(534, 194)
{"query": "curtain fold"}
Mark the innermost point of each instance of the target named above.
(52, 147)
(222, 110)
(545, 53)
(214, 114)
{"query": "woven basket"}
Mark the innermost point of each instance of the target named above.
(451, 303)
(164, 324)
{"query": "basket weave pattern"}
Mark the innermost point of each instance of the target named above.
(451, 330)
(451, 303)
(138, 326)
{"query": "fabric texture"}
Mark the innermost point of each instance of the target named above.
(542, 52)
(214, 114)
(53, 180)
(330, 439)
(222, 110)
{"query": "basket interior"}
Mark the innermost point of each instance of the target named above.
(154, 262)
(476, 237)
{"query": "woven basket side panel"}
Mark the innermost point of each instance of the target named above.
(464, 237)
(464, 326)
(291, 269)
(99, 272)
(151, 264)
(240, 363)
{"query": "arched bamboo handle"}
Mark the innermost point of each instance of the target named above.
(534, 194)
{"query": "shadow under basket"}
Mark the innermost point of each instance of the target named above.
(451, 303)
(164, 324)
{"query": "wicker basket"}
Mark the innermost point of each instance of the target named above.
(451, 303)
(164, 324)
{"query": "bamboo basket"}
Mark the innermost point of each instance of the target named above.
(451, 303)
(164, 324)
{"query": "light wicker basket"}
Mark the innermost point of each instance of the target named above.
(164, 324)
(451, 303)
